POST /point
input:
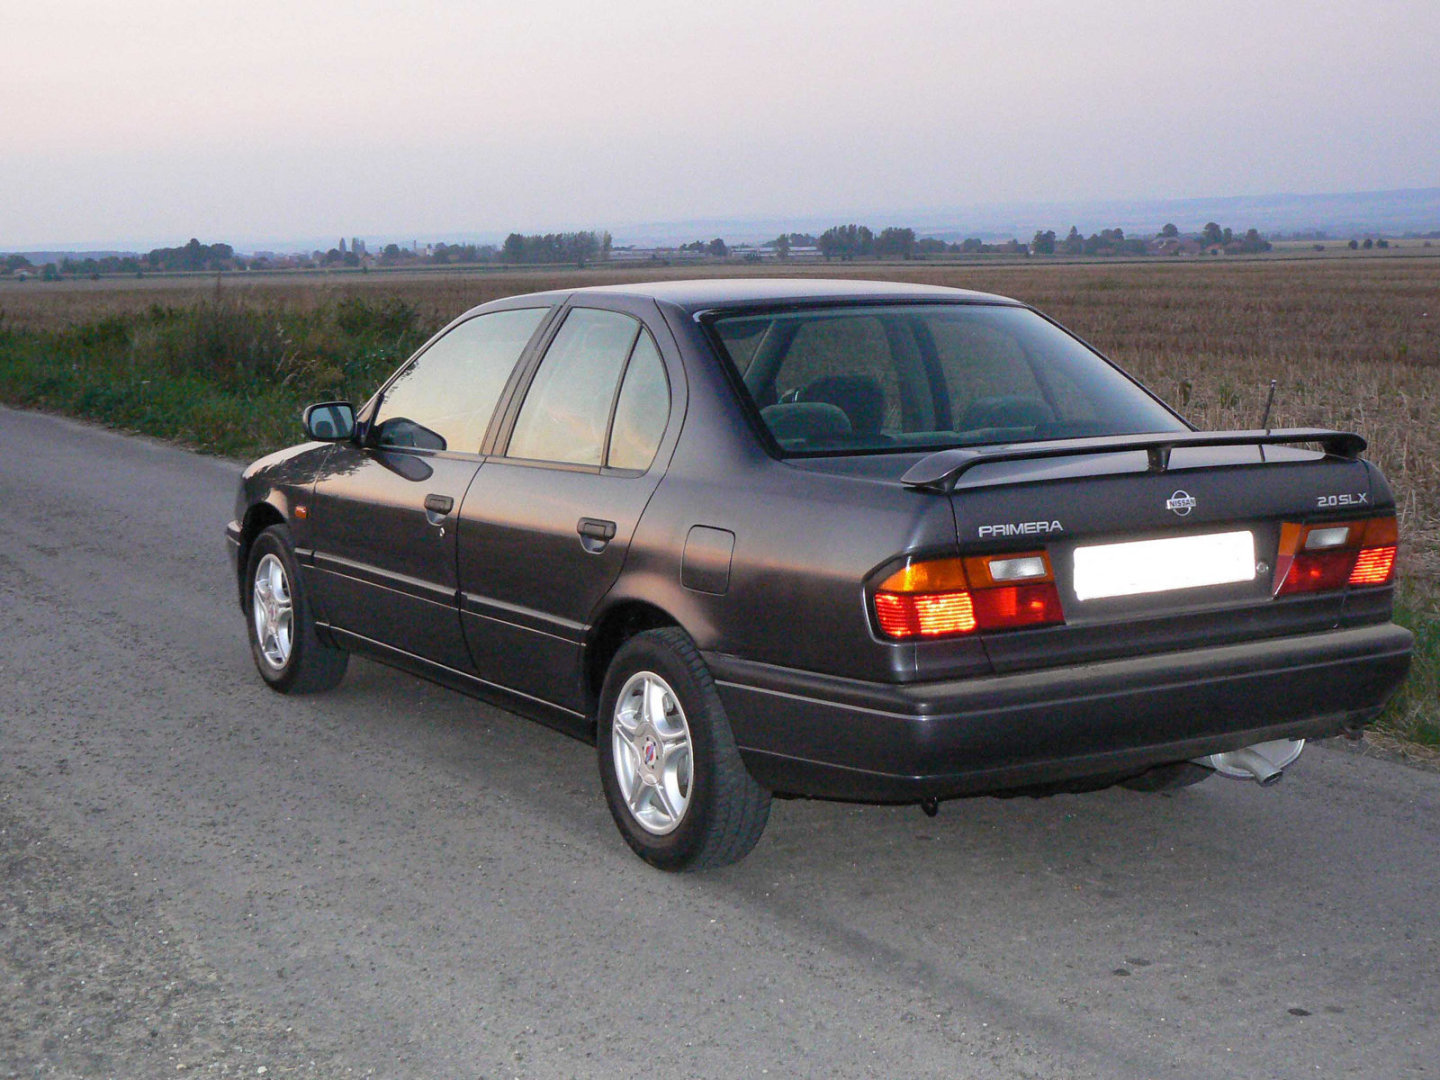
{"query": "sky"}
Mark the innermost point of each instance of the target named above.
(151, 121)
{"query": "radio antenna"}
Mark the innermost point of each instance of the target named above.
(1269, 400)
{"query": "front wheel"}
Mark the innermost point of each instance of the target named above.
(676, 786)
(287, 651)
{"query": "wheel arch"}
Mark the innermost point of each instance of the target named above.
(259, 517)
(617, 625)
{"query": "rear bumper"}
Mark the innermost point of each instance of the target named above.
(819, 735)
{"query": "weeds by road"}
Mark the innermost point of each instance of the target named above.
(223, 375)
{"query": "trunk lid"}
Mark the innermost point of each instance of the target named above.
(1199, 520)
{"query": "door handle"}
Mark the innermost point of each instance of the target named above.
(437, 508)
(596, 529)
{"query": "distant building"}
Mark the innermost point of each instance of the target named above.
(1175, 245)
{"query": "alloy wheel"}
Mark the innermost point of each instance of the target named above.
(654, 759)
(274, 611)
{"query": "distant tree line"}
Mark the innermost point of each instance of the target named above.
(106, 264)
(716, 248)
(844, 242)
(854, 241)
(579, 248)
(861, 242)
(193, 256)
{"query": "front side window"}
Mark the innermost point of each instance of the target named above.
(567, 412)
(908, 377)
(445, 398)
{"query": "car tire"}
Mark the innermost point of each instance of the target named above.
(290, 656)
(1171, 777)
(681, 796)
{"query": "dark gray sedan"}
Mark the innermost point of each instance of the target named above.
(839, 539)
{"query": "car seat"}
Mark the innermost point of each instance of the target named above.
(797, 422)
(859, 397)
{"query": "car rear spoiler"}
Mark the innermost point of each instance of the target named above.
(941, 471)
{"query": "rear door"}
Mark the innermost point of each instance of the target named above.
(545, 526)
(384, 509)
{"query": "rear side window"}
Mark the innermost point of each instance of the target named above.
(567, 408)
(600, 396)
(445, 398)
(642, 409)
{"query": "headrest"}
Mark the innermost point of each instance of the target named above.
(858, 396)
(805, 421)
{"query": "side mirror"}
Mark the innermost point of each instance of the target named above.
(329, 421)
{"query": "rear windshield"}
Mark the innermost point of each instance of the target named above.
(897, 378)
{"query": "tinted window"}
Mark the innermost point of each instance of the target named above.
(901, 378)
(979, 361)
(567, 407)
(642, 409)
(742, 338)
(444, 400)
(842, 361)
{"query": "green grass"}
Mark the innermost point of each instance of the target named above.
(1414, 714)
(218, 376)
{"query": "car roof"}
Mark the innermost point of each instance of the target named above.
(702, 293)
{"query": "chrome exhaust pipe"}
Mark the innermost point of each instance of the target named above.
(1256, 765)
(1265, 763)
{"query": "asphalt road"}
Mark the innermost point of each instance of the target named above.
(394, 880)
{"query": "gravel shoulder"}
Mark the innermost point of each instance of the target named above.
(95, 981)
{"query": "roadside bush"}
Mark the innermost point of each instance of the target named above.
(221, 341)
(219, 374)
(1413, 715)
(388, 317)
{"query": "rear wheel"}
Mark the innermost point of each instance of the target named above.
(1171, 777)
(676, 786)
(287, 652)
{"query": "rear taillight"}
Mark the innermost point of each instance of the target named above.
(948, 597)
(1320, 558)
(1373, 566)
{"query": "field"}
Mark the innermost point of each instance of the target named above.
(1352, 342)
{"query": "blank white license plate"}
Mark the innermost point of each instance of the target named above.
(1152, 566)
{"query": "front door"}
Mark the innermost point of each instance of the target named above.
(385, 548)
(385, 507)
